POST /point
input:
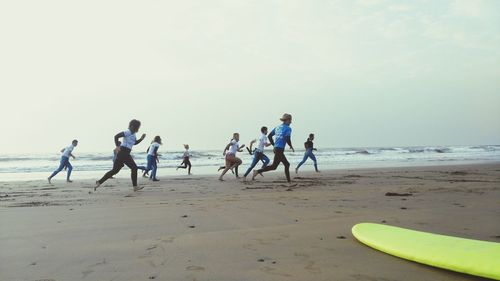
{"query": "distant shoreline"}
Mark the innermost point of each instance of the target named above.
(168, 173)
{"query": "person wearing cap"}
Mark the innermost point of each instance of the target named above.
(282, 136)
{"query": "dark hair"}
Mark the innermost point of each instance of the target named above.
(311, 135)
(157, 139)
(134, 123)
(75, 141)
(264, 128)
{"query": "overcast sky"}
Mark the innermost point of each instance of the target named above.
(357, 73)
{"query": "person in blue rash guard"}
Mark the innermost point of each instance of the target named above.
(282, 136)
(309, 146)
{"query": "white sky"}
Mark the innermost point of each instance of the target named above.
(357, 73)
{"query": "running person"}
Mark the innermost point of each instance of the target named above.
(123, 157)
(282, 136)
(309, 146)
(64, 163)
(230, 154)
(258, 154)
(153, 159)
(185, 160)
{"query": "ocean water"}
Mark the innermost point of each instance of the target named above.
(93, 165)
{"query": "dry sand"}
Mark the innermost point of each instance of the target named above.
(197, 228)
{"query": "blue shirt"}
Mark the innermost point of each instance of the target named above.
(281, 134)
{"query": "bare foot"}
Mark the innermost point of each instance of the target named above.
(49, 180)
(255, 173)
(137, 188)
(97, 184)
(221, 179)
(69, 181)
(296, 170)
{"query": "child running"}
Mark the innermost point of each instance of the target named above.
(309, 146)
(258, 154)
(64, 163)
(153, 159)
(185, 160)
(282, 136)
(230, 154)
(123, 157)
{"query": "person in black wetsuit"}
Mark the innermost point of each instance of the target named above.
(309, 146)
(123, 156)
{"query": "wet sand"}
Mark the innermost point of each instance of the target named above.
(197, 228)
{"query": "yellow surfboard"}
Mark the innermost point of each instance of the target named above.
(475, 257)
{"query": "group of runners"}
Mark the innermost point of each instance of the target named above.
(279, 138)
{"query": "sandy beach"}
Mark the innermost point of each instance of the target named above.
(197, 228)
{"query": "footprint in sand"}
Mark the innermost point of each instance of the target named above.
(362, 277)
(250, 247)
(272, 271)
(86, 272)
(195, 268)
(311, 268)
(167, 240)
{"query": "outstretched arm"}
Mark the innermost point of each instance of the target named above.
(251, 144)
(139, 140)
(240, 149)
(117, 136)
(71, 154)
(270, 137)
